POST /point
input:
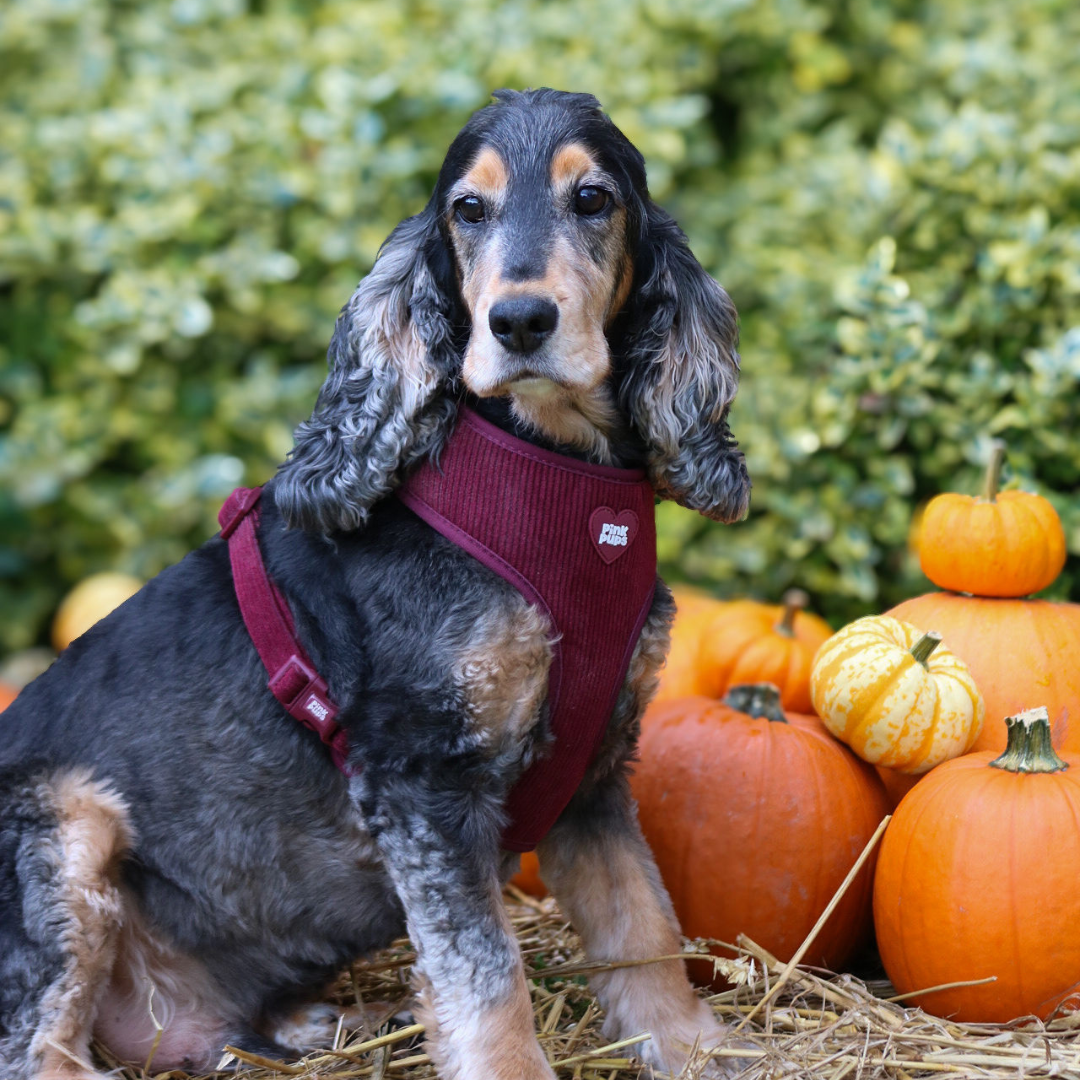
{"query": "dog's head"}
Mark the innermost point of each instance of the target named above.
(540, 272)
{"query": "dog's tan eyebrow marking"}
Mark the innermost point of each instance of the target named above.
(570, 163)
(488, 175)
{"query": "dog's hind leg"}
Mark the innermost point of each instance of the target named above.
(61, 840)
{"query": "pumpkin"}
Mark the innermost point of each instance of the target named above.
(750, 642)
(694, 610)
(895, 695)
(977, 878)
(1007, 544)
(90, 601)
(896, 784)
(755, 816)
(1020, 652)
(528, 879)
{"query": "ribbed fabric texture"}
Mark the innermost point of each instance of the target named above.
(575, 538)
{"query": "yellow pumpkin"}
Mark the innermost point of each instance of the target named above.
(90, 601)
(895, 695)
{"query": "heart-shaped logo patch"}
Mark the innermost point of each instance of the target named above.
(612, 533)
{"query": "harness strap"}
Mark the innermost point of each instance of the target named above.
(293, 678)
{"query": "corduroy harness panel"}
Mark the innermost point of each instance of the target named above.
(577, 539)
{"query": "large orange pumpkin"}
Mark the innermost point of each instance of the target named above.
(1020, 653)
(755, 816)
(1000, 544)
(977, 877)
(749, 642)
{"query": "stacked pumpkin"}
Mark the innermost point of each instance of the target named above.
(991, 553)
(975, 882)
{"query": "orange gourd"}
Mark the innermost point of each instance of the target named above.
(755, 816)
(1019, 652)
(977, 877)
(1005, 544)
(749, 642)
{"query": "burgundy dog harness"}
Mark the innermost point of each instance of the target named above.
(576, 539)
(293, 678)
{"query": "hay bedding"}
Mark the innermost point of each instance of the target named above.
(798, 1023)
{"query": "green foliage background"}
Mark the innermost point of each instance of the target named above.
(189, 191)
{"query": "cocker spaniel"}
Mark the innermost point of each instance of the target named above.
(173, 844)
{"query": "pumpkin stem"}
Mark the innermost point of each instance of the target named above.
(794, 600)
(993, 471)
(922, 648)
(1029, 749)
(757, 700)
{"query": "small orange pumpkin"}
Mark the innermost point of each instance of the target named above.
(755, 816)
(528, 879)
(1007, 543)
(694, 610)
(749, 642)
(977, 878)
(894, 696)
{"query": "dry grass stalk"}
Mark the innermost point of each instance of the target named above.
(810, 1025)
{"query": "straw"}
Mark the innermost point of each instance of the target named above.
(797, 1023)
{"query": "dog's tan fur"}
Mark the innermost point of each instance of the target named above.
(503, 673)
(91, 835)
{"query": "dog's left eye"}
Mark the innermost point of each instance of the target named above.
(470, 209)
(590, 200)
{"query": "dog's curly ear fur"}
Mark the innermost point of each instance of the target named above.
(381, 408)
(681, 374)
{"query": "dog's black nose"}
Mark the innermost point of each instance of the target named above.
(523, 323)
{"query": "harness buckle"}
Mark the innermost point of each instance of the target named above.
(306, 697)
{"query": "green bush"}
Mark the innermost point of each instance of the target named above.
(190, 190)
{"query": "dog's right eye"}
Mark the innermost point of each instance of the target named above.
(470, 209)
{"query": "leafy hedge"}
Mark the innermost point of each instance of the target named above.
(190, 190)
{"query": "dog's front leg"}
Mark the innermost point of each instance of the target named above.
(441, 850)
(601, 871)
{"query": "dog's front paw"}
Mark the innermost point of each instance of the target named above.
(686, 1044)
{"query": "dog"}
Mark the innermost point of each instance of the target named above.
(177, 850)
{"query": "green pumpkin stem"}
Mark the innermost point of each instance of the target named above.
(794, 600)
(993, 471)
(758, 700)
(922, 648)
(1029, 749)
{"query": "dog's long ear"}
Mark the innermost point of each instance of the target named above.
(681, 371)
(382, 407)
